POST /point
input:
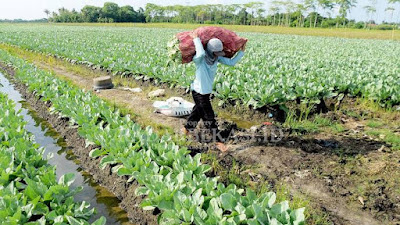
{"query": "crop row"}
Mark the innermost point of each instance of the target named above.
(29, 191)
(173, 181)
(275, 69)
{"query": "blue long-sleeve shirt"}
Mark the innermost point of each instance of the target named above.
(205, 74)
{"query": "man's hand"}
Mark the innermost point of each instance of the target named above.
(243, 47)
(193, 35)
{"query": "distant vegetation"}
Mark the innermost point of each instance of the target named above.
(309, 13)
(44, 20)
(109, 13)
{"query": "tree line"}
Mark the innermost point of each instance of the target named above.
(307, 13)
(109, 13)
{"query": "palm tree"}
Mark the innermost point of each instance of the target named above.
(391, 11)
(274, 10)
(253, 6)
(234, 8)
(300, 8)
(325, 5)
(394, 2)
(276, 5)
(260, 17)
(289, 6)
(370, 11)
(345, 7)
(311, 4)
(47, 13)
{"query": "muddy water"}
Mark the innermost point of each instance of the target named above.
(98, 197)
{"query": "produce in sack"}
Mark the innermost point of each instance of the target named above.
(181, 47)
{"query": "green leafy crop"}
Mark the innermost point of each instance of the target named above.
(29, 191)
(173, 181)
(274, 70)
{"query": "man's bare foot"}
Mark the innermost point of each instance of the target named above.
(185, 131)
(221, 146)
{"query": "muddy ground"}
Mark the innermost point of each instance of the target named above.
(350, 176)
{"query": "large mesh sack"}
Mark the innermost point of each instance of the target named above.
(181, 47)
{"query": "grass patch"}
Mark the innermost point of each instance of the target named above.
(337, 128)
(374, 123)
(314, 125)
(232, 175)
(352, 114)
(322, 121)
(371, 109)
(303, 124)
(387, 136)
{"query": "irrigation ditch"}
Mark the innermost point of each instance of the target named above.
(110, 194)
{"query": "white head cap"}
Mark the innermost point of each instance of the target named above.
(215, 45)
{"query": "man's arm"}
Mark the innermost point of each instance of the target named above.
(200, 53)
(232, 61)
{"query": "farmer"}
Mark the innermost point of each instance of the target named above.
(206, 67)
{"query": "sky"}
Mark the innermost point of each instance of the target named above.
(34, 9)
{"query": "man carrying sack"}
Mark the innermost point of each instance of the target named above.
(206, 61)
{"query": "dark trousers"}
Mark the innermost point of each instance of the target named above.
(202, 110)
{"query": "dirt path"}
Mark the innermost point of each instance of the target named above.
(309, 165)
(137, 102)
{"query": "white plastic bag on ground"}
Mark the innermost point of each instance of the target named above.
(174, 106)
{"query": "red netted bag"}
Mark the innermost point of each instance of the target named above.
(231, 41)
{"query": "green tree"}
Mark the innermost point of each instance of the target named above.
(300, 8)
(275, 11)
(253, 7)
(345, 7)
(325, 5)
(127, 14)
(66, 16)
(310, 5)
(277, 6)
(90, 14)
(242, 16)
(260, 16)
(289, 6)
(110, 11)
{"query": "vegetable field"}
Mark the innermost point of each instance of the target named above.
(170, 179)
(348, 155)
(30, 193)
(275, 69)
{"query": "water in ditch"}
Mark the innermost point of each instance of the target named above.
(98, 197)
